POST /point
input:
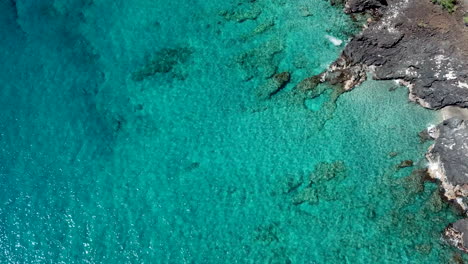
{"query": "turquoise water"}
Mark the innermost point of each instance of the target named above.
(139, 132)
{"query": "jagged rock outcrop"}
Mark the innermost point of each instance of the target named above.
(418, 43)
(448, 163)
(456, 234)
(426, 49)
(450, 150)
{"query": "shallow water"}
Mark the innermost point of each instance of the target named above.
(139, 132)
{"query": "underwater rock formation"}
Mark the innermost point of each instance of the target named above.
(260, 28)
(321, 184)
(163, 61)
(260, 61)
(274, 85)
(242, 13)
(405, 164)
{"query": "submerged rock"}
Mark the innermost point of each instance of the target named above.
(322, 184)
(274, 85)
(261, 61)
(354, 6)
(405, 164)
(162, 61)
(241, 13)
(325, 171)
(304, 11)
(308, 84)
(261, 28)
(267, 234)
(307, 195)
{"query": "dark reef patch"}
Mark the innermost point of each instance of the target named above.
(274, 85)
(163, 61)
(321, 184)
(261, 61)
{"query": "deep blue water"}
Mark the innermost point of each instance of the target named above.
(133, 132)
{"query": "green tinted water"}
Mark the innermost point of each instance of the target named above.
(133, 133)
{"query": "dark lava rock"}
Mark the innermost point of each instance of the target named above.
(457, 234)
(424, 136)
(451, 150)
(345, 73)
(341, 74)
(397, 47)
(448, 163)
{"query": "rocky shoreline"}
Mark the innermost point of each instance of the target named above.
(425, 48)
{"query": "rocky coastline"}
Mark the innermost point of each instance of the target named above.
(424, 47)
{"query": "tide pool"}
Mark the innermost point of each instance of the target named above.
(147, 132)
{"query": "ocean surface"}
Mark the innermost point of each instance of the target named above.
(146, 131)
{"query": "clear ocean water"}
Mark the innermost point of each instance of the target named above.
(139, 132)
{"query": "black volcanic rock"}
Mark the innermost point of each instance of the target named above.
(411, 42)
(451, 150)
(448, 163)
(457, 234)
(425, 48)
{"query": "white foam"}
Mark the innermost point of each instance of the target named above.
(335, 41)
